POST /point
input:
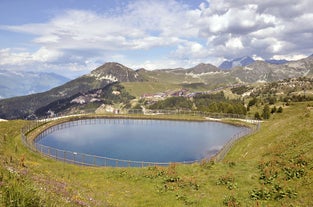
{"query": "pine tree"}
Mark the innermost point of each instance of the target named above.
(257, 116)
(266, 112)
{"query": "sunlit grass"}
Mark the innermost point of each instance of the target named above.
(285, 142)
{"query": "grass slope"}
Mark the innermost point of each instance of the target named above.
(139, 89)
(270, 168)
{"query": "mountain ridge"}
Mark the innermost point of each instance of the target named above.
(116, 72)
(17, 83)
(206, 75)
(24, 106)
(241, 61)
(246, 60)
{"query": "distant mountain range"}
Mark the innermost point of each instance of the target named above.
(244, 61)
(18, 83)
(84, 89)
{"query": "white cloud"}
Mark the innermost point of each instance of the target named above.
(264, 28)
(170, 31)
(234, 43)
(289, 57)
(8, 57)
(241, 19)
(46, 55)
(142, 25)
(190, 50)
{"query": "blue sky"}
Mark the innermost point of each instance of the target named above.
(73, 37)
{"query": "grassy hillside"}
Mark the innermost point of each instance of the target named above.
(270, 168)
(162, 80)
(138, 89)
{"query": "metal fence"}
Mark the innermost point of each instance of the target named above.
(223, 152)
(93, 160)
(156, 112)
(183, 113)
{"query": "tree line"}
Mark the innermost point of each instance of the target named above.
(214, 103)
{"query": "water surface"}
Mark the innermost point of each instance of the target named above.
(142, 140)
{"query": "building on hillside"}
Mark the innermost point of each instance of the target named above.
(182, 92)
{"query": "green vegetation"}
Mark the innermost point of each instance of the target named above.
(214, 103)
(218, 103)
(113, 93)
(272, 167)
(173, 103)
(24, 106)
(240, 89)
(266, 112)
(140, 88)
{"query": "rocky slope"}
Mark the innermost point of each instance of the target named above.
(261, 71)
(25, 106)
(115, 72)
(87, 102)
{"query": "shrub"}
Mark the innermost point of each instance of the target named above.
(257, 116)
(227, 180)
(280, 109)
(230, 201)
(273, 110)
(207, 164)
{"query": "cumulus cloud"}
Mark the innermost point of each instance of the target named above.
(141, 25)
(262, 28)
(241, 20)
(217, 29)
(190, 50)
(10, 57)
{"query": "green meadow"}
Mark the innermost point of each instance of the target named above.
(272, 167)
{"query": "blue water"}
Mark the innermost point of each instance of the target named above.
(143, 140)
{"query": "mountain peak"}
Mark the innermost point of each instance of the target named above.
(241, 61)
(203, 68)
(116, 72)
(110, 66)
